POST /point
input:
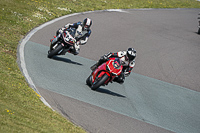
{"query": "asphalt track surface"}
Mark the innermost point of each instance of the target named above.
(161, 94)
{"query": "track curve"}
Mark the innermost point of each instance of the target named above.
(163, 83)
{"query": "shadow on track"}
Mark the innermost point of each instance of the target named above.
(65, 60)
(105, 91)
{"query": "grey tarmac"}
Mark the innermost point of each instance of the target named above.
(161, 94)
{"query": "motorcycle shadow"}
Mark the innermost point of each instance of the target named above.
(65, 60)
(105, 91)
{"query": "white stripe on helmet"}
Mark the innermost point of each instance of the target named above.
(88, 21)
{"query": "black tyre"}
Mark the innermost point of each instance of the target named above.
(198, 31)
(88, 81)
(99, 82)
(55, 51)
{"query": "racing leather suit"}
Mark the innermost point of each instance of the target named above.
(80, 35)
(127, 65)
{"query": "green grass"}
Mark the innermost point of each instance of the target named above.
(20, 107)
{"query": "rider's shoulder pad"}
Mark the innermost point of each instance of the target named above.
(121, 53)
(79, 23)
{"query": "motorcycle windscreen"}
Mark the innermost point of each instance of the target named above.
(115, 66)
(117, 63)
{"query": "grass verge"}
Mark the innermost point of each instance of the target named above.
(20, 107)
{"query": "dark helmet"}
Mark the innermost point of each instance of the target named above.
(87, 22)
(131, 54)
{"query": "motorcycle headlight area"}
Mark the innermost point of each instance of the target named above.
(108, 69)
(114, 74)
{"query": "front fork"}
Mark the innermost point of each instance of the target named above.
(73, 49)
(54, 41)
(99, 75)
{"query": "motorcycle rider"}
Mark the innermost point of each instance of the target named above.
(82, 34)
(128, 61)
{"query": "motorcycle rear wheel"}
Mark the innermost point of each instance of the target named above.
(100, 81)
(55, 51)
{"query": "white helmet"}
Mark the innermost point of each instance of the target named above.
(131, 54)
(87, 23)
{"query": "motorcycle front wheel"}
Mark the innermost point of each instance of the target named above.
(55, 51)
(99, 81)
(198, 31)
(88, 81)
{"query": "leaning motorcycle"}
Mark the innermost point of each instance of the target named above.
(105, 73)
(64, 43)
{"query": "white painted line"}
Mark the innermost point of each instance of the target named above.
(21, 46)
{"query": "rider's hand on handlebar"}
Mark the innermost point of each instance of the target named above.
(107, 55)
(61, 30)
(74, 41)
(67, 25)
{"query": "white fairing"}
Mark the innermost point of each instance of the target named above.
(69, 37)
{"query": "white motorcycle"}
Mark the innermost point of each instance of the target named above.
(64, 43)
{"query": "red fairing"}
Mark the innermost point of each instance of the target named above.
(113, 70)
(108, 68)
(102, 69)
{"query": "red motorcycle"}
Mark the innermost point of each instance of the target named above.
(105, 73)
